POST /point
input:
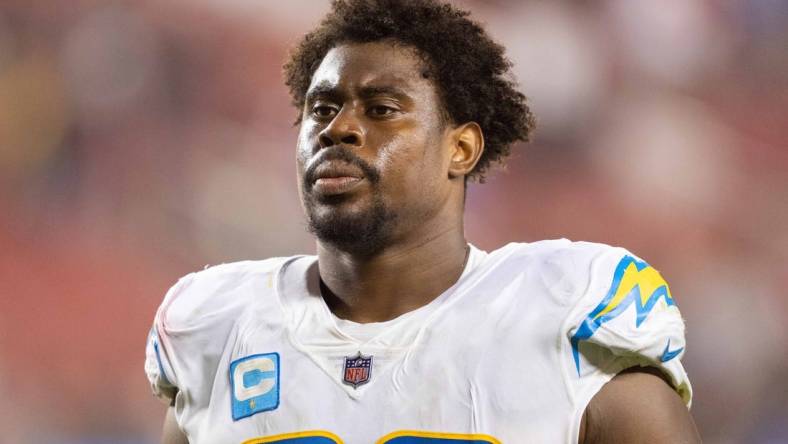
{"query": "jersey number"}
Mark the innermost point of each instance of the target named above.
(403, 437)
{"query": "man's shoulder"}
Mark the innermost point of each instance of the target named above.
(237, 272)
(224, 288)
(563, 268)
(553, 254)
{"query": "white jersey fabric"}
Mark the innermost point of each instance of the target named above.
(511, 353)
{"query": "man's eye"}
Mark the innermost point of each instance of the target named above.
(324, 111)
(381, 110)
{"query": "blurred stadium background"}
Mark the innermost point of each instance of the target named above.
(141, 140)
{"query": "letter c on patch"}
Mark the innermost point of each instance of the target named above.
(255, 384)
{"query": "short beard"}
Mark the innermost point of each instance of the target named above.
(364, 235)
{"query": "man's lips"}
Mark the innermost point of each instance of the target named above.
(333, 178)
(335, 185)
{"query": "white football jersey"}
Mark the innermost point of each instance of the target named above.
(511, 353)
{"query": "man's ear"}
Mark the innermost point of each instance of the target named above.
(467, 147)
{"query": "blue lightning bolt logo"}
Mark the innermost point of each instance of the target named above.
(634, 282)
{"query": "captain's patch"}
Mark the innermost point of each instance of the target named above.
(254, 381)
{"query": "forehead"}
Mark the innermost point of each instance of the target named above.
(358, 65)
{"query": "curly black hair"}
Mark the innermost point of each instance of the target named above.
(470, 69)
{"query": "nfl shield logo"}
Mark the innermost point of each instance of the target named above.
(357, 370)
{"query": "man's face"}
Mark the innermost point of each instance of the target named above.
(372, 162)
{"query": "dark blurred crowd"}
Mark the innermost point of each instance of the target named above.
(143, 140)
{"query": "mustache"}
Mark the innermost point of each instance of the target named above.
(339, 152)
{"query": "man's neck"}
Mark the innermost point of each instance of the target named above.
(400, 279)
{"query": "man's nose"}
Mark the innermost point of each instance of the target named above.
(345, 128)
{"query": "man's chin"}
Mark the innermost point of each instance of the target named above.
(356, 233)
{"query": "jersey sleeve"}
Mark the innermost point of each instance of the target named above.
(159, 365)
(190, 330)
(193, 325)
(626, 317)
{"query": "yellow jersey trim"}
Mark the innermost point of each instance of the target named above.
(307, 434)
(421, 434)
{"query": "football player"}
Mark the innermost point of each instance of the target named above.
(399, 331)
